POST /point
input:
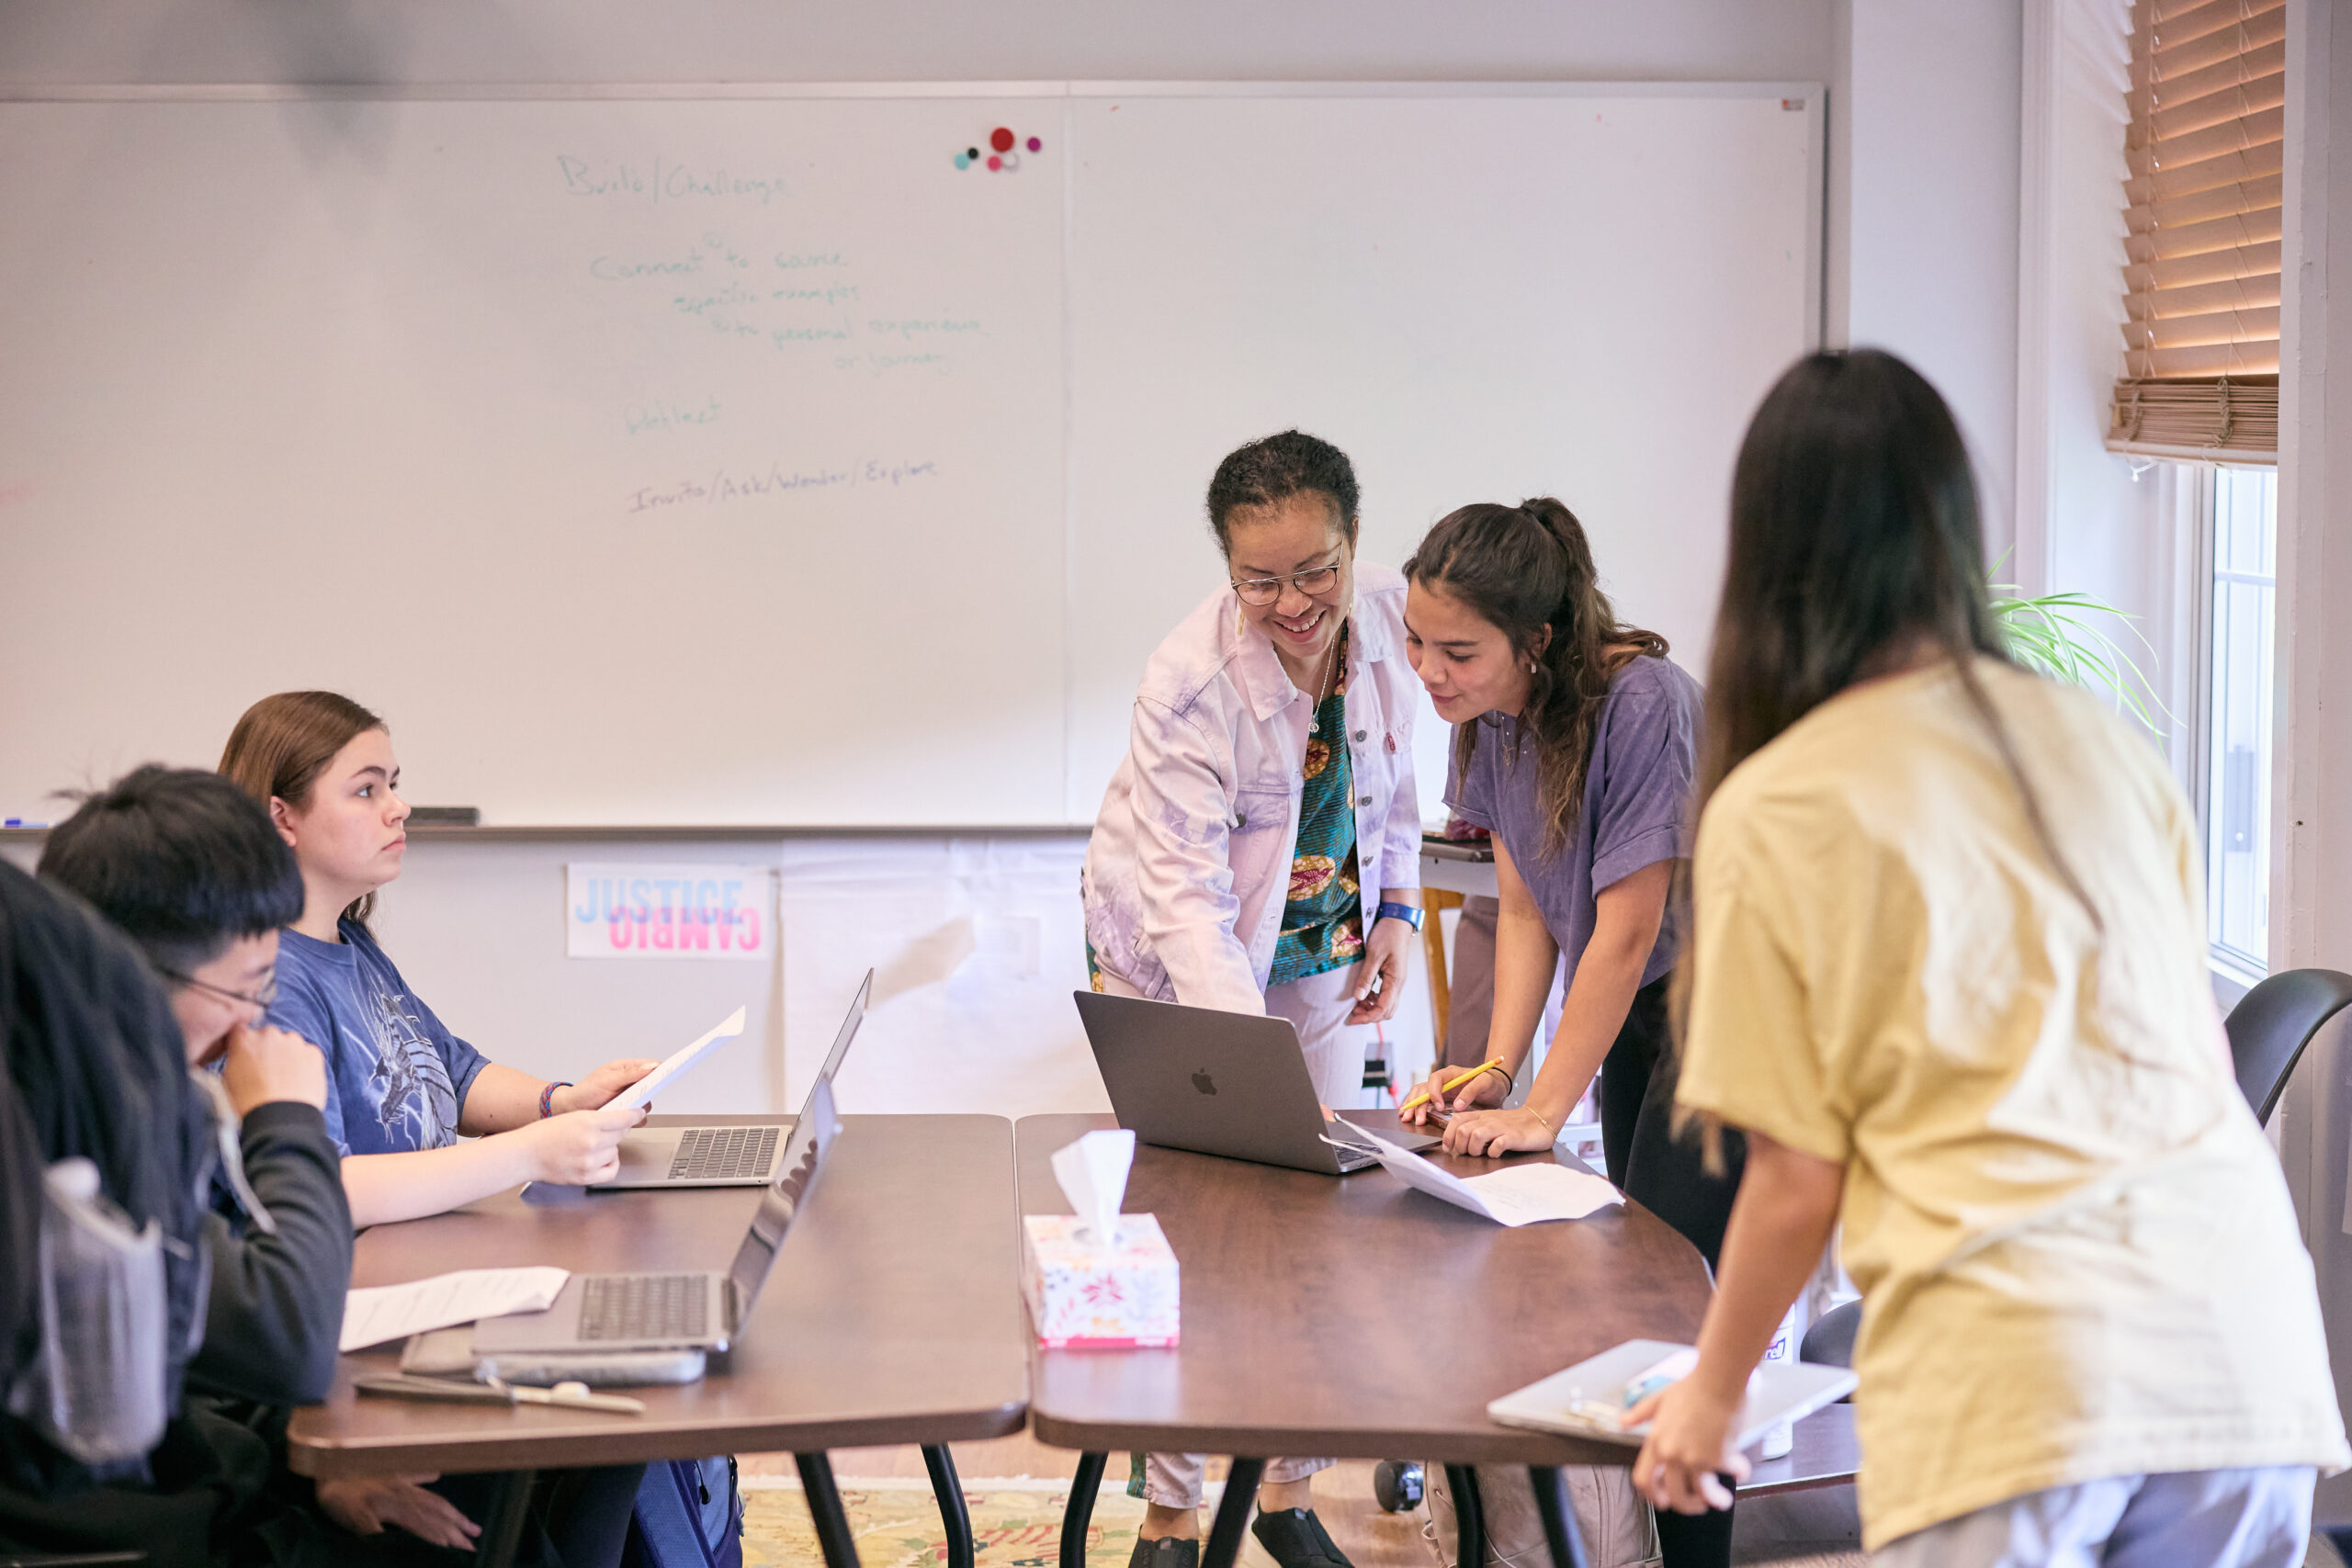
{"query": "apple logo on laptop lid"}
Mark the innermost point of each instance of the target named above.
(1202, 1081)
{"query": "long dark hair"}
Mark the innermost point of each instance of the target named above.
(1525, 569)
(1855, 537)
(92, 1065)
(283, 743)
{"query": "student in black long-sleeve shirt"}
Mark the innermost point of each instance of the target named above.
(192, 871)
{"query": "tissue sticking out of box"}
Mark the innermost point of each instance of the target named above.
(1093, 1174)
(1099, 1277)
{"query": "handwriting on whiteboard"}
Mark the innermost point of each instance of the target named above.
(725, 485)
(733, 292)
(657, 181)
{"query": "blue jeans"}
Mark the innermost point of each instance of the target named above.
(2191, 1519)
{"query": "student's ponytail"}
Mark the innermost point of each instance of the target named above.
(1528, 571)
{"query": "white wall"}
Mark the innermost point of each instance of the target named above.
(2089, 520)
(1923, 210)
(52, 42)
(2310, 896)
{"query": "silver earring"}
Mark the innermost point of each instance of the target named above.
(1531, 667)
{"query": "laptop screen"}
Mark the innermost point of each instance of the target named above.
(804, 1157)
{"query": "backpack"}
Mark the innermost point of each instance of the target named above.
(1611, 1515)
(689, 1515)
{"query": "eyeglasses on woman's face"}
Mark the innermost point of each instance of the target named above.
(1314, 581)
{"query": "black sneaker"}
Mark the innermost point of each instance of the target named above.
(1166, 1552)
(1295, 1538)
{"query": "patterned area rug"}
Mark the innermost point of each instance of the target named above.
(1015, 1524)
(1018, 1524)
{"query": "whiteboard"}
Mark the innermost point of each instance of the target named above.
(742, 459)
(1578, 295)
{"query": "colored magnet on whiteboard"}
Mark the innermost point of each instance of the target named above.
(1036, 145)
(1001, 139)
(973, 154)
(962, 160)
(1011, 161)
(995, 163)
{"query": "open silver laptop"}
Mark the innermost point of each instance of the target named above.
(1218, 1083)
(693, 1311)
(716, 1155)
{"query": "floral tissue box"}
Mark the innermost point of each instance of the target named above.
(1080, 1297)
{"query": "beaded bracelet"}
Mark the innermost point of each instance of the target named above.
(547, 1099)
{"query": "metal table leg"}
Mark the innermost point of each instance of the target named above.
(825, 1510)
(954, 1517)
(1469, 1516)
(509, 1504)
(1559, 1519)
(1233, 1512)
(1078, 1514)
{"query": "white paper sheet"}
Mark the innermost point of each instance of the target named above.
(1517, 1195)
(645, 1088)
(377, 1313)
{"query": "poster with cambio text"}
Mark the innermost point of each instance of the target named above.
(639, 910)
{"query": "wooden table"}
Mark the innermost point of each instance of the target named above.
(1308, 1301)
(1825, 1453)
(893, 1316)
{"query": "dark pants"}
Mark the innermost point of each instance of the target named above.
(1667, 1175)
(1664, 1174)
(579, 1518)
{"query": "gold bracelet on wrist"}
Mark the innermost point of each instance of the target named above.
(1540, 1117)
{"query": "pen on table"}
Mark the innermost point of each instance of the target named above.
(572, 1395)
(1453, 1083)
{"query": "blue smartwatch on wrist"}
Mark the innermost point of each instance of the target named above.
(1409, 913)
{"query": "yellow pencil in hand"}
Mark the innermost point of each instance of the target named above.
(1453, 1083)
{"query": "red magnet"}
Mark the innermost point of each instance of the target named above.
(1001, 139)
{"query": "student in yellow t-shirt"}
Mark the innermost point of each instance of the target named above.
(1949, 977)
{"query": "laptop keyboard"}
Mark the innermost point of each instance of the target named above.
(644, 1306)
(723, 1154)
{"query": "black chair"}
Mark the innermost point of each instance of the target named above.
(2268, 1030)
(1829, 1340)
(2273, 1022)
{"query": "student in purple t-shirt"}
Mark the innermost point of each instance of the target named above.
(1576, 743)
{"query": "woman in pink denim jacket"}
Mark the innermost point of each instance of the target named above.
(1258, 850)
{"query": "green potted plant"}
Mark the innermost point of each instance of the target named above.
(2062, 636)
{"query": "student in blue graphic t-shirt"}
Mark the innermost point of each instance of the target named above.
(401, 1087)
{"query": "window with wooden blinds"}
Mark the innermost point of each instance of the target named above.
(2203, 207)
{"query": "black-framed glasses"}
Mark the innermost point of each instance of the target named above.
(1315, 579)
(257, 999)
